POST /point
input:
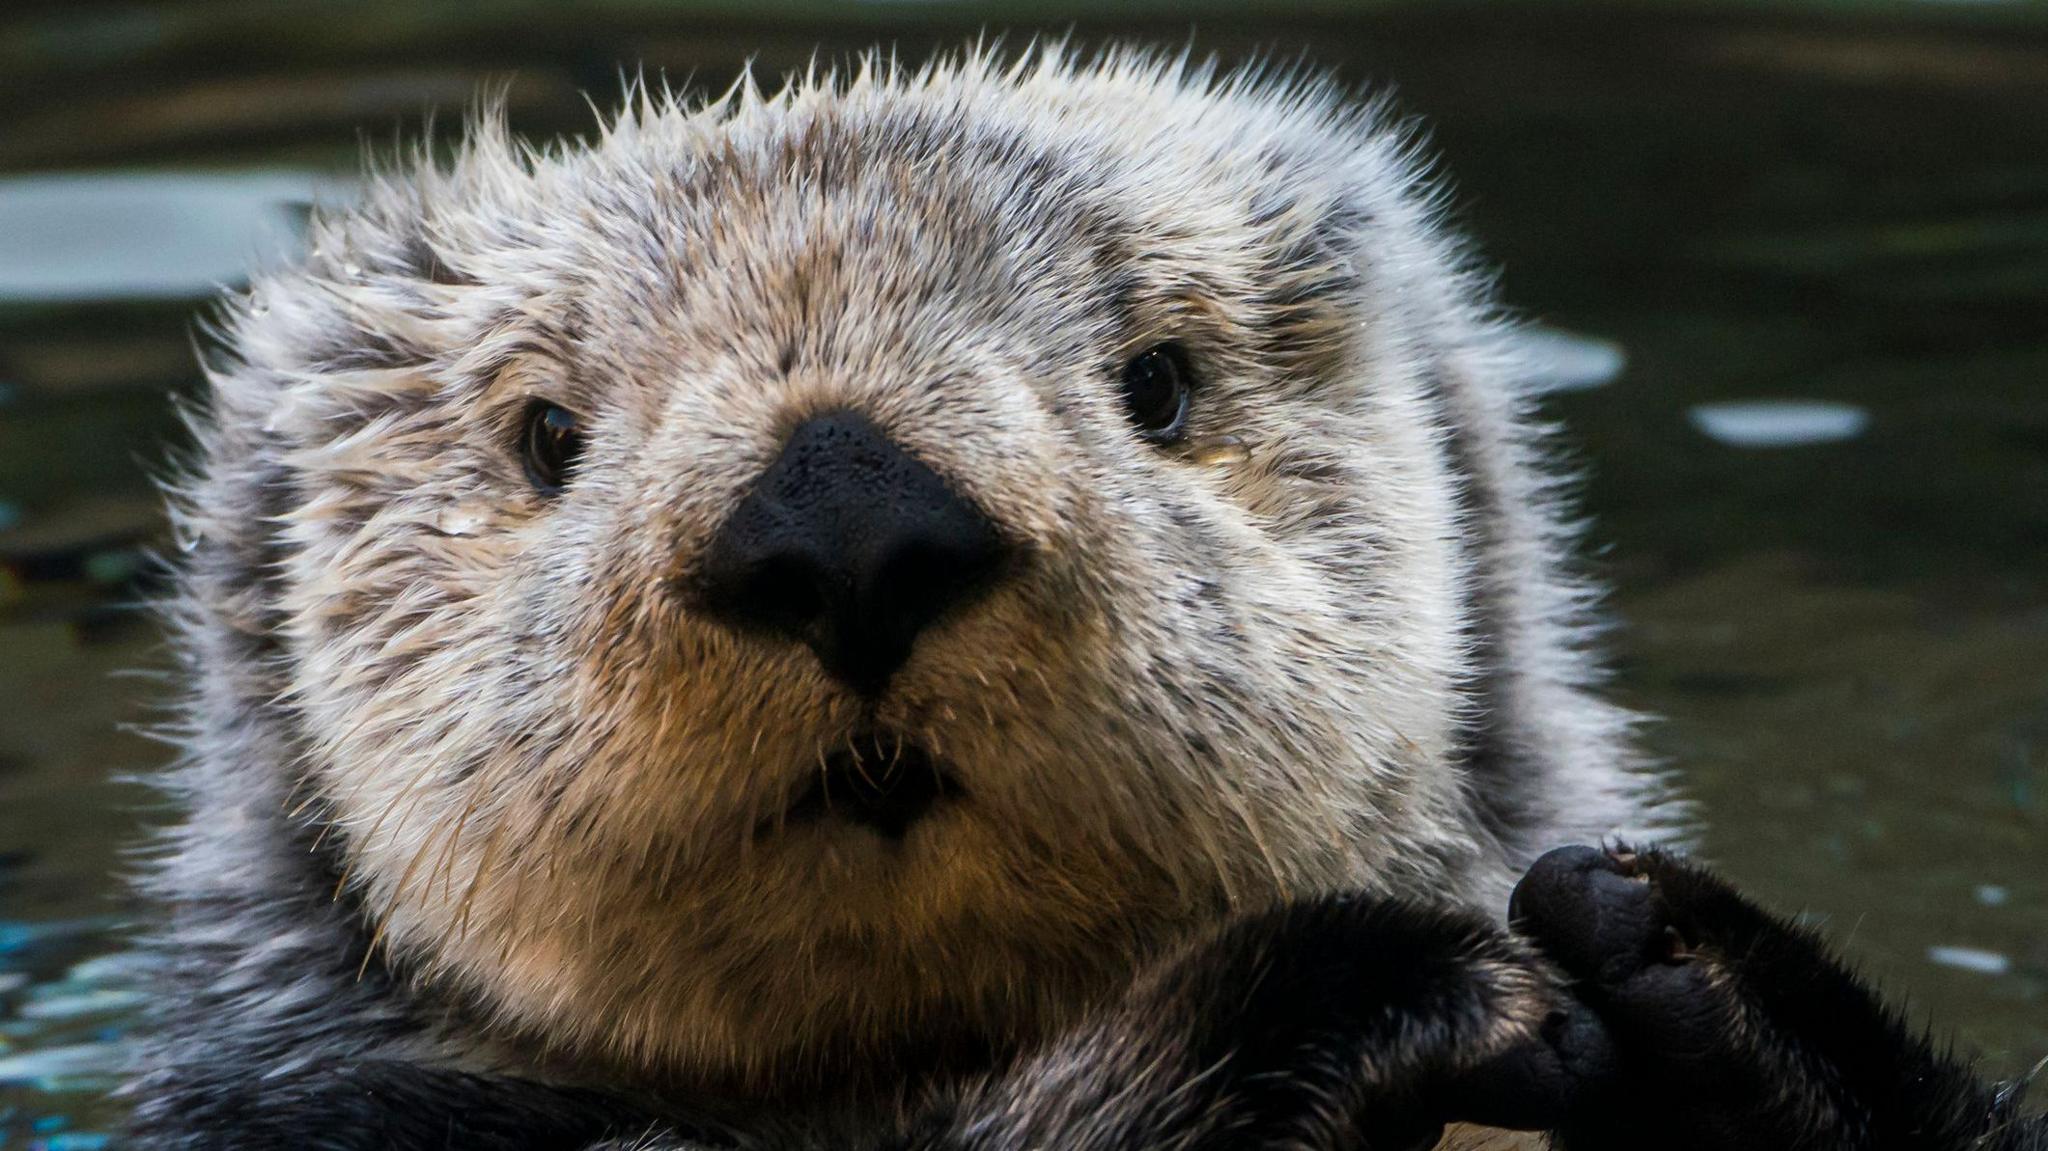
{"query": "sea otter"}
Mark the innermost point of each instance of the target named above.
(1008, 604)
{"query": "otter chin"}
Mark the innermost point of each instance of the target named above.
(731, 599)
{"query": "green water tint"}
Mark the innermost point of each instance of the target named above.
(1814, 243)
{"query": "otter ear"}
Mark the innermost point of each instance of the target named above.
(354, 331)
(1310, 286)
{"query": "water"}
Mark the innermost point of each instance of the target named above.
(1792, 271)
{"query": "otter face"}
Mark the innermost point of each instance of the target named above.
(746, 589)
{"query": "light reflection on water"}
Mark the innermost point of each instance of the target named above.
(1561, 361)
(1847, 634)
(142, 235)
(1970, 959)
(1779, 423)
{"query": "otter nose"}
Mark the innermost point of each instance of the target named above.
(851, 545)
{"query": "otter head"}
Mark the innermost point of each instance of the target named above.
(763, 583)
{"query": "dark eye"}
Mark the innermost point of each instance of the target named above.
(1156, 384)
(551, 442)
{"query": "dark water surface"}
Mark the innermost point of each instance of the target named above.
(1818, 242)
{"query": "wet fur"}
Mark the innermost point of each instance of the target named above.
(477, 813)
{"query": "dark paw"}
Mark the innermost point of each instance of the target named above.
(1619, 923)
(1406, 1016)
(1590, 912)
(1538, 1084)
(1731, 1028)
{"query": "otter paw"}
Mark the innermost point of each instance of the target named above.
(1733, 1028)
(1536, 1084)
(1636, 933)
(1443, 1017)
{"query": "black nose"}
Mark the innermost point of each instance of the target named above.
(851, 545)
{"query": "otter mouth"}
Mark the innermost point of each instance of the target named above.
(877, 781)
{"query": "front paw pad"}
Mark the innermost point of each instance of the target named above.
(1618, 923)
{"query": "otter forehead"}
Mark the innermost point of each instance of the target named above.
(814, 239)
(882, 220)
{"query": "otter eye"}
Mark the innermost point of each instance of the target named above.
(1156, 383)
(551, 442)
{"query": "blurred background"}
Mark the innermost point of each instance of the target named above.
(1790, 262)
